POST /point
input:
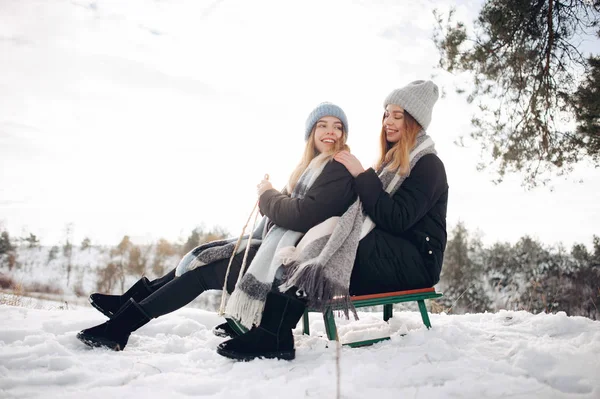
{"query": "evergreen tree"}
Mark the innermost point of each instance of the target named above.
(596, 257)
(583, 294)
(32, 241)
(7, 251)
(52, 253)
(527, 79)
(68, 250)
(504, 275)
(6, 245)
(200, 236)
(192, 242)
(547, 273)
(462, 273)
(86, 243)
(586, 103)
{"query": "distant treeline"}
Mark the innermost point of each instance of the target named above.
(522, 276)
(526, 275)
(112, 265)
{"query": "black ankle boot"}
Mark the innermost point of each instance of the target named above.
(273, 338)
(114, 334)
(110, 304)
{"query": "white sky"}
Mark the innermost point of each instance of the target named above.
(149, 118)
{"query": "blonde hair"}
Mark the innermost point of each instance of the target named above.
(397, 155)
(310, 153)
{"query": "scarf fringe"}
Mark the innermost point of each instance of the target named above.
(246, 310)
(195, 258)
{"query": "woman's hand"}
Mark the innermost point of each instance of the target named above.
(350, 162)
(263, 186)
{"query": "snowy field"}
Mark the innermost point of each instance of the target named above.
(502, 355)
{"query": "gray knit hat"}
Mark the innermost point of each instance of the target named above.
(417, 98)
(324, 109)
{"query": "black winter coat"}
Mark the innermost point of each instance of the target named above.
(330, 195)
(406, 248)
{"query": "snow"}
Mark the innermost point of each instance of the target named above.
(506, 354)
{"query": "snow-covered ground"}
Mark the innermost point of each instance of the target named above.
(507, 354)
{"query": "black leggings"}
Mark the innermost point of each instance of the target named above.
(170, 293)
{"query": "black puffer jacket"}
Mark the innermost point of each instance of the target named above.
(410, 233)
(330, 195)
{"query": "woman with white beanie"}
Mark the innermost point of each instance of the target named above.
(318, 189)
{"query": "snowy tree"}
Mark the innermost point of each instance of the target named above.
(462, 276)
(528, 77)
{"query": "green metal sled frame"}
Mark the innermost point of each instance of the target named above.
(387, 299)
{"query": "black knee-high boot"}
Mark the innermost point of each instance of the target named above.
(115, 333)
(110, 304)
(273, 338)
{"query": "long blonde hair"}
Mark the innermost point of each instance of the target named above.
(397, 155)
(310, 153)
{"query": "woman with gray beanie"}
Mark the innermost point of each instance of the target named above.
(391, 239)
(405, 196)
(319, 188)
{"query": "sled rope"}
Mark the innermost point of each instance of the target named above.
(245, 259)
(237, 245)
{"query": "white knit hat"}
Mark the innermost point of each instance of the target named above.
(417, 98)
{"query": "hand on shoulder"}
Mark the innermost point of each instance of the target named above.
(350, 162)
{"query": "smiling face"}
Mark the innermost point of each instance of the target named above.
(393, 123)
(328, 131)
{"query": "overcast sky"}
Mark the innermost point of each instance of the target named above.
(149, 118)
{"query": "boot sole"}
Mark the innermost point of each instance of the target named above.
(98, 308)
(95, 342)
(282, 355)
(226, 332)
(223, 334)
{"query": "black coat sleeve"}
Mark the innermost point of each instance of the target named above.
(415, 197)
(330, 195)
